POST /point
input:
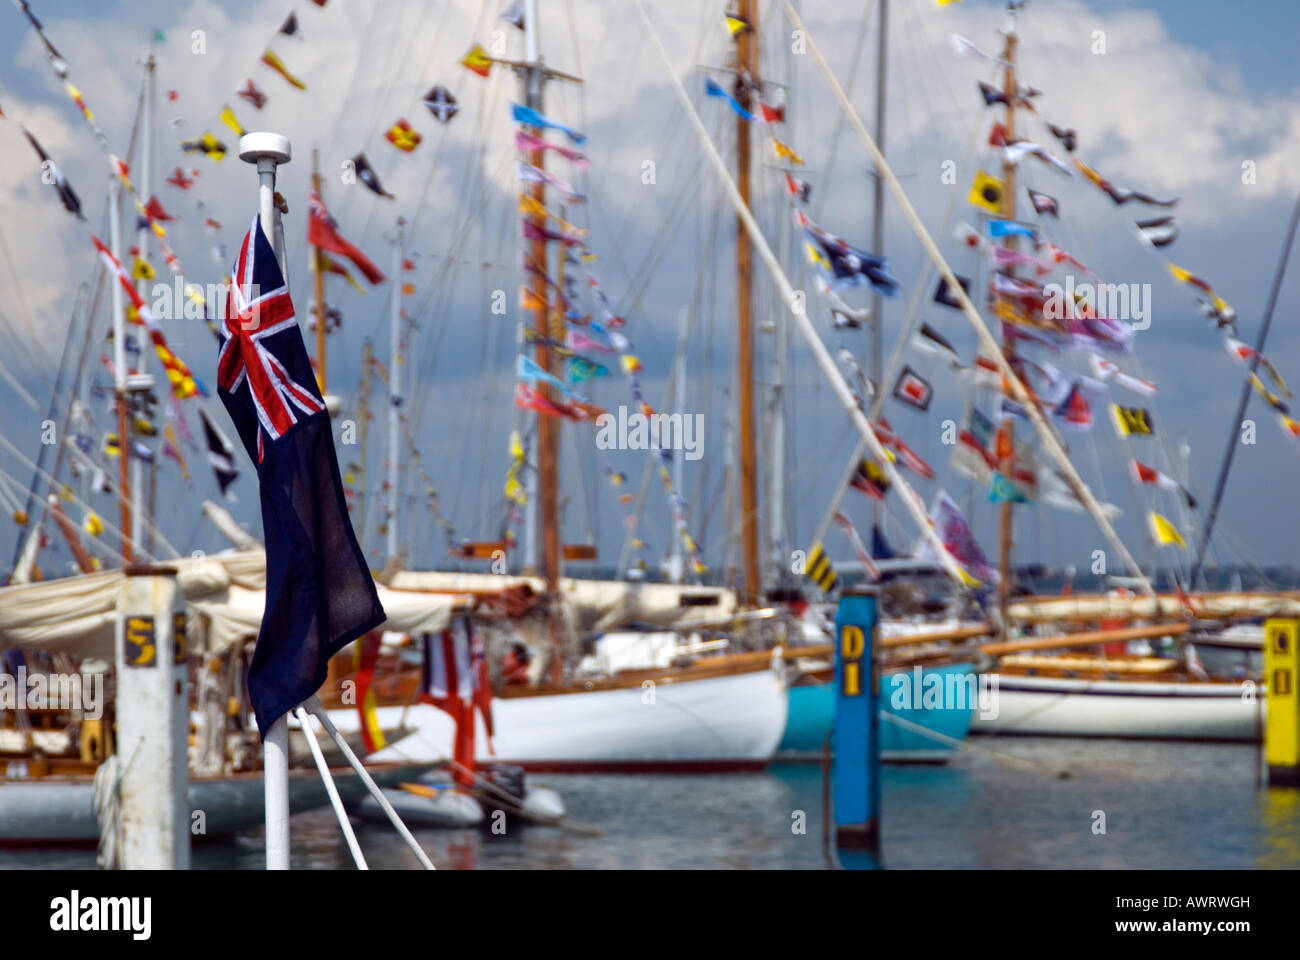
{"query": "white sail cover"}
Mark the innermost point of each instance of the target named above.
(598, 605)
(75, 615)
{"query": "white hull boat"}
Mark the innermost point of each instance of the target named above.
(728, 722)
(61, 809)
(1146, 710)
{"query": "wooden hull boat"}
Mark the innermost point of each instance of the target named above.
(725, 714)
(59, 809)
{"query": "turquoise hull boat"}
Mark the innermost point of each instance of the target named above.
(812, 712)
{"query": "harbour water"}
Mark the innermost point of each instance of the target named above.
(1166, 805)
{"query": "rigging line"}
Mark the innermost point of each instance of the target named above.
(632, 300)
(78, 307)
(635, 286)
(1248, 559)
(87, 463)
(634, 282)
(489, 90)
(631, 529)
(1142, 504)
(99, 544)
(905, 331)
(858, 49)
(977, 322)
(31, 465)
(11, 502)
(1246, 390)
(413, 103)
(444, 292)
(384, 89)
(26, 315)
(429, 371)
(356, 71)
(470, 182)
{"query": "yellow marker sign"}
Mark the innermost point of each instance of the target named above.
(178, 638)
(141, 650)
(853, 643)
(1282, 729)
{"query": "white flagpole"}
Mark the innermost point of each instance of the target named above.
(267, 151)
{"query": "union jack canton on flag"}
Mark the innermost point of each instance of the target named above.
(319, 592)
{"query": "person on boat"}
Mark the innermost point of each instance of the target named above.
(514, 665)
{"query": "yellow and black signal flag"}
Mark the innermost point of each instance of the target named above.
(819, 569)
(142, 270)
(871, 478)
(1130, 421)
(206, 144)
(986, 192)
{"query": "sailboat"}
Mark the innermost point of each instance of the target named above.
(710, 713)
(1045, 684)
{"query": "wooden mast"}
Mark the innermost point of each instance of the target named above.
(746, 83)
(317, 263)
(548, 432)
(1006, 460)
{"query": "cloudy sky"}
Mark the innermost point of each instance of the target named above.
(1174, 97)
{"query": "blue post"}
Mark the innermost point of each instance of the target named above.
(856, 737)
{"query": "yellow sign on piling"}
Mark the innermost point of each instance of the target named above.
(853, 644)
(1282, 730)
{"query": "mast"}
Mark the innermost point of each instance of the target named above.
(677, 560)
(119, 368)
(137, 466)
(394, 393)
(777, 545)
(1008, 344)
(548, 433)
(878, 228)
(319, 266)
(746, 82)
(1017, 387)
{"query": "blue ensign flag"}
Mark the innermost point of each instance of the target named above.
(319, 592)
